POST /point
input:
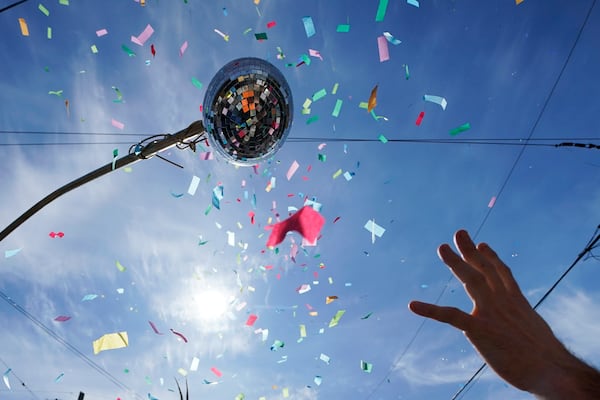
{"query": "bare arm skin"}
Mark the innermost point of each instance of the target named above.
(506, 331)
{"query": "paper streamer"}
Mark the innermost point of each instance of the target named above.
(437, 100)
(384, 53)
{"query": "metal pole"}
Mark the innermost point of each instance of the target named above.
(195, 129)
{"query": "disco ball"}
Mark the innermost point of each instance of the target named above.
(248, 111)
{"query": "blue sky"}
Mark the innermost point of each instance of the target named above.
(495, 63)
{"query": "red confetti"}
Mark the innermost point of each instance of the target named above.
(271, 24)
(420, 118)
(251, 319)
(152, 50)
(56, 234)
(216, 372)
(336, 219)
(180, 335)
(62, 318)
(154, 328)
(306, 221)
(251, 215)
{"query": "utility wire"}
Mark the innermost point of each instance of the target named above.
(489, 211)
(68, 345)
(33, 395)
(8, 7)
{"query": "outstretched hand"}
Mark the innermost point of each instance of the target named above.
(506, 331)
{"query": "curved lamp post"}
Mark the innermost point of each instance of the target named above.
(248, 111)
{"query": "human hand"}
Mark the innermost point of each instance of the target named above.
(506, 331)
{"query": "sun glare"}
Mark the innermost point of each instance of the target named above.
(210, 304)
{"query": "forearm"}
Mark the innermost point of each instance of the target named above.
(570, 379)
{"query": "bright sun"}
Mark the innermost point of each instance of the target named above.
(210, 304)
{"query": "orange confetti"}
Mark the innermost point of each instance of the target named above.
(372, 99)
(24, 28)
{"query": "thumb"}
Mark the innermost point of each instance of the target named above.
(449, 315)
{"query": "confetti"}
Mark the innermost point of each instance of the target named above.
(336, 318)
(117, 124)
(381, 9)
(416, 2)
(315, 53)
(459, 129)
(59, 377)
(111, 341)
(120, 267)
(5, 378)
(183, 48)
(309, 26)
(261, 36)
(195, 364)
(89, 297)
(292, 170)
(224, 36)
(217, 196)
(144, 36)
(251, 320)
(94, 49)
(330, 299)
(153, 51)
(390, 38)
(271, 24)
(492, 202)
(101, 32)
(180, 336)
(154, 328)
(325, 358)
(517, 2)
(343, 28)
(365, 366)
(375, 229)
(382, 139)
(23, 26)
(437, 100)
(406, 72)
(127, 50)
(372, 99)
(307, 222)
(193, 185)
(420, 118)
(196, 83)
(56, 234)
(216, 372)
(43, 9)
(62, 318)
(11, 253)
(304, 288)
(382, 45)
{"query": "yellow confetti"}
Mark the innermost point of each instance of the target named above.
(330, 299)
(337, 173)
(302, 330)
(120, 267)
(519, 1)
(24, 28)
(94, 49)
(335, 88)
(111, 341)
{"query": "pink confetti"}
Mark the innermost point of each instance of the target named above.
(251, 319)
(251, 215)
(117, 124)
(180, 335)
(271, 24)
(142, 37)
(206, 155)
(420, 118)
(62, 318)
(492, 202)
(216, 372)
(183, 48)
(101, 32)
(56, 234)
(306, 221)
(322, 146)
(292, 170)
(384, 53)
(315, 53)
(154, 328)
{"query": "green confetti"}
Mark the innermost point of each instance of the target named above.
(56, 92)
(120, 267)
(336, 318)
(261, 36)
(381, 9)
(343, 28)
(127, 50)
(312, 119)
(367, 316)
(197, 83)
(365, 366)
(382, 139)
(363, 104)
(63, 2)
(335, 88)
(337, 108)
(43, 9)
(337, 173)
(319, 95)
(247, 30)
(208, 209)
(462, 128)
(322, 157)
(49, 33)
(305, 58)
(406, 72)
